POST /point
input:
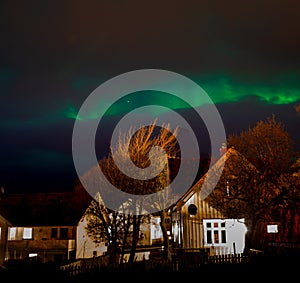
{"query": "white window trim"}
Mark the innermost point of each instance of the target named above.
(213, 229)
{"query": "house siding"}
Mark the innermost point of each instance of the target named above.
(56, 249)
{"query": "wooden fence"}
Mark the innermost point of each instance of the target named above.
(229, 258)
(181, 262)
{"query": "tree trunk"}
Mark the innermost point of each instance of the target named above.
(135, 236)
(166, 244)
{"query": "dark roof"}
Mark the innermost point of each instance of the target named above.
(3, 213)
(46, 209)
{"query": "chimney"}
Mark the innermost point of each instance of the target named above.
(223, 149)
(1, 192)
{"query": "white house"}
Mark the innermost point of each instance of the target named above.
(196, 225)
(193, 223)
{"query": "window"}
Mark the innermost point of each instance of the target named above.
(272, 228)
(12, 233)
(216, 236)
(214, 232)
(27, 233)
(208, 236)
(156, 232)
(223, 236)
(63, 233)
(19, 233)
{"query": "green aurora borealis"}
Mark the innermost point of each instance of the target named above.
(220, 90)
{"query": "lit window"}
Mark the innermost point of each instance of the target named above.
(27, 233)
(272, 228)
(12, 233)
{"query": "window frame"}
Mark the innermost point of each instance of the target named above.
(215, 234)
(29, 236)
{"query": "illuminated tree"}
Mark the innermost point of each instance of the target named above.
(143, 149)
(268, 146)
(254, 187)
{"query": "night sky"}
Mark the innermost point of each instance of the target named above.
(53, 54)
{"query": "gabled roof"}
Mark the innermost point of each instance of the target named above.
(208, 181)
(46, 209)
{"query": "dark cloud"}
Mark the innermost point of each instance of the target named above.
(117, 35)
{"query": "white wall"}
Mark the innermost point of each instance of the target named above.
(85, 247)
(236, 231)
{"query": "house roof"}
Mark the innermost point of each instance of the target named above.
(206, 183)
(46, 209)
(3, 215)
